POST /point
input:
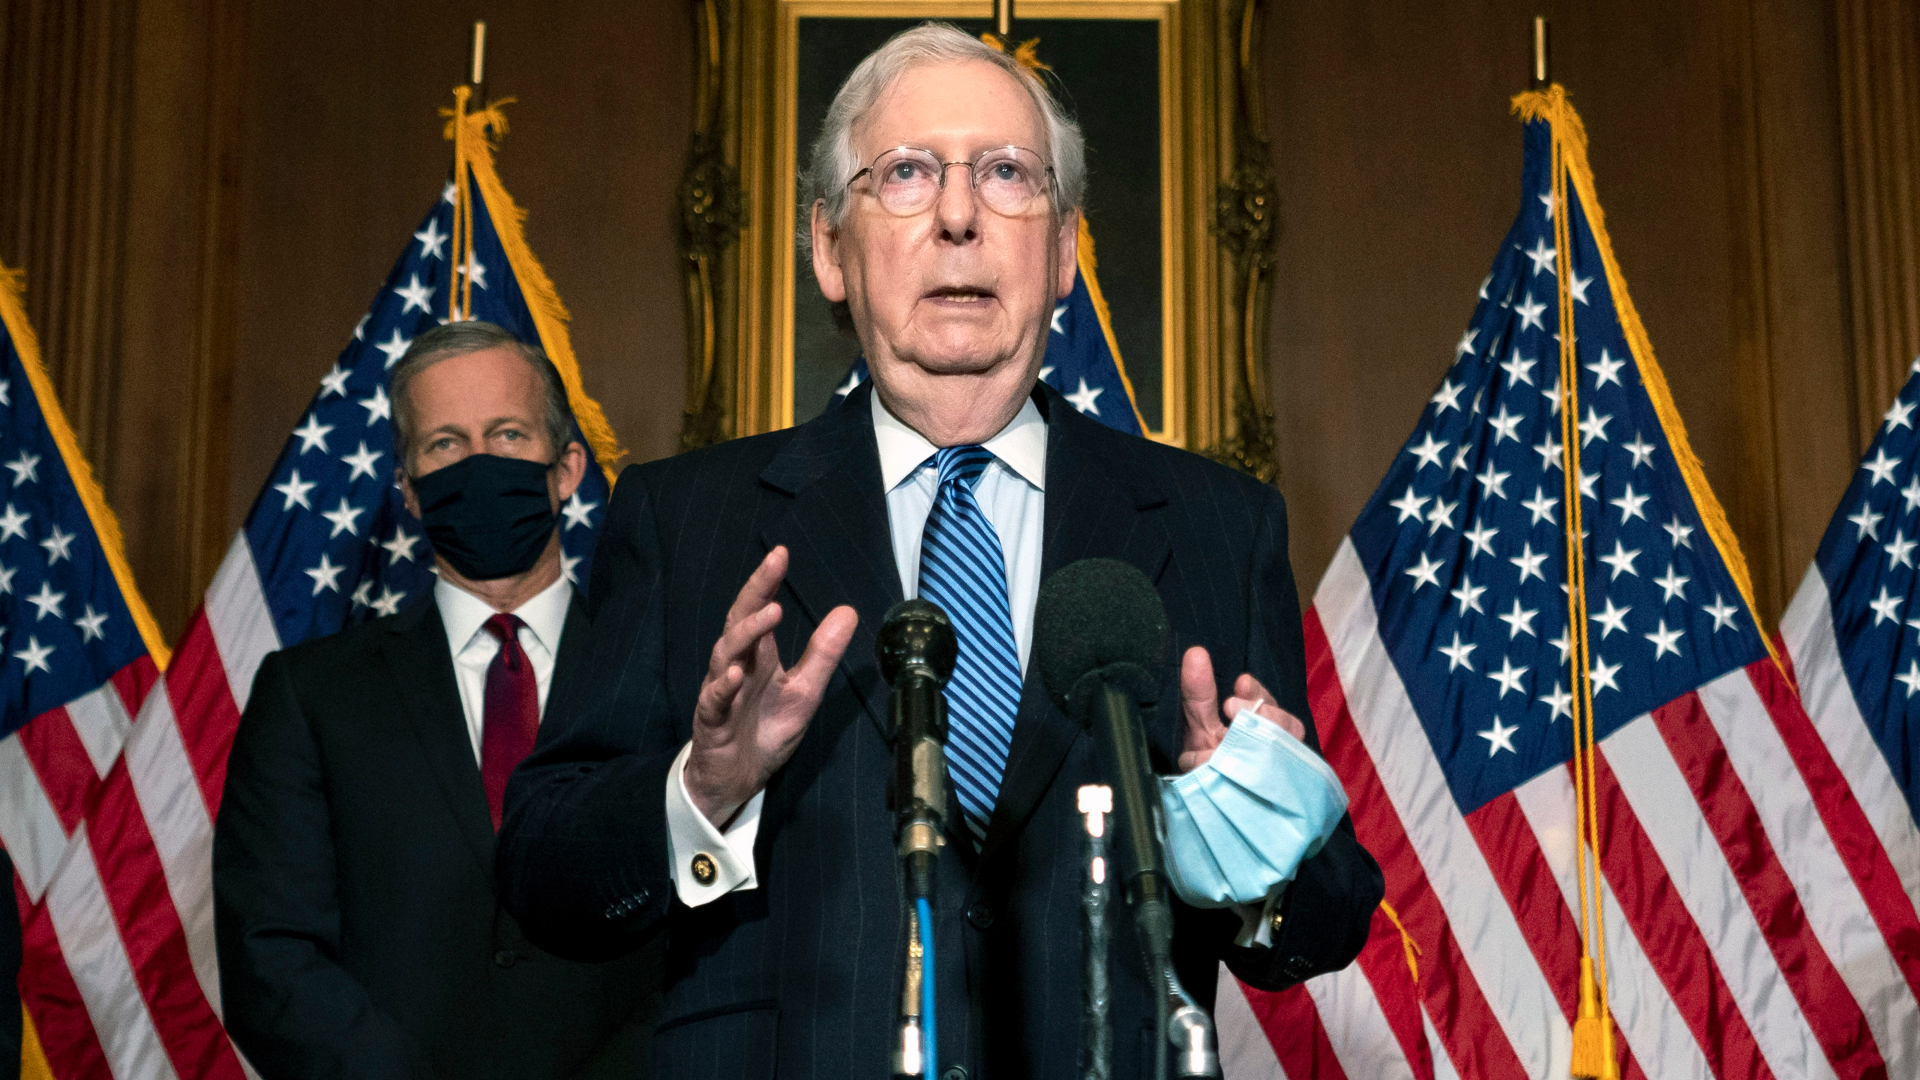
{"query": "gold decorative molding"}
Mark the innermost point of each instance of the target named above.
(710, 200)
(1217, 193)
(1249, 202)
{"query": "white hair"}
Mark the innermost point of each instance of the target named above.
(835, 161)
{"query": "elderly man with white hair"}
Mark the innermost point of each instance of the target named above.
(724, 778)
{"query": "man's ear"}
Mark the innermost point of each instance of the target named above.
(826, 255)
(1069, 254)
(569, 471)
(406, 492)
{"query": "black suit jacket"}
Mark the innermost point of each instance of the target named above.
(358, 931)
(799, 977)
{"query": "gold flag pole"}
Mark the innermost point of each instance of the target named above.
(479, 63)
(1540, 80)
(1003, 18)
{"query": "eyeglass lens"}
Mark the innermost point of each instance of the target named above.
(1009, 180)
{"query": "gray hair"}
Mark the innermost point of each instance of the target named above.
(459, 339)
(835, 160)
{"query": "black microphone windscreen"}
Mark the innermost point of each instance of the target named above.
(916, 633)
(1092, 614)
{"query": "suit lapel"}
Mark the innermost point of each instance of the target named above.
(1096, 507)
(574, 647)
(837, 534)
(415, 649)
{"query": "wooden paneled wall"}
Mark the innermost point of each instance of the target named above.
(1716, 142)
(119, 127)
(205, 195)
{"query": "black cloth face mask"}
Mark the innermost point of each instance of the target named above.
(488, 516)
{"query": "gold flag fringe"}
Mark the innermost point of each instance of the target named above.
(1553, 106)
(475, 138)
(106, 526)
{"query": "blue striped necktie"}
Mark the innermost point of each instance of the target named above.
(963, 570)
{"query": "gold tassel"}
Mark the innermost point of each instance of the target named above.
(1589, 1051)
(1026, 54)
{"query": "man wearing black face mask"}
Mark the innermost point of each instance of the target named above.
(353, 857)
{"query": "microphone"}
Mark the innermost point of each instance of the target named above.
(917, 649)
(1101, 640)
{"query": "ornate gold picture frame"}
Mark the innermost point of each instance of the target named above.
(1214, 210)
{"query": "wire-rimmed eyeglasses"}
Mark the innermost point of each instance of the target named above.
(1011, 180)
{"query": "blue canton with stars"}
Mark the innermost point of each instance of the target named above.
(1464, 541)
(67, 629)
(1079, 364)
(1868, 559)
(330, 533)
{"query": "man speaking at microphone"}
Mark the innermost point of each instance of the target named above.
(724, 777)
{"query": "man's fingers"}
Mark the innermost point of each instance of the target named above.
(1267, 709)
(738, 640)
(761, 587)
(824, 650)
(1197, 698)
(1196, 681)
(1246, 686)
(717, 694)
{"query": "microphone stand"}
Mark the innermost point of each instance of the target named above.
(917, 649)
(1096, 893)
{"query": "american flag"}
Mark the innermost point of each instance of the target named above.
(127, 985)
(90, 799)
(1083, 357)
(1752, 924)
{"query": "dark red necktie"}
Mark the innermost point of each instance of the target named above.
(512, 712)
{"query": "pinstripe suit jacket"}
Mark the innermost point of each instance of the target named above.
(799, 977)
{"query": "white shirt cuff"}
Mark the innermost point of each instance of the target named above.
(1256, 920)
(707, 863)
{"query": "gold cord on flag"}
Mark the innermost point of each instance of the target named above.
(1407, 944)
(472, 135)
(1593, 1056)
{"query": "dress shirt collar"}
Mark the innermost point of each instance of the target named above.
(1021, 446)
(463, 614)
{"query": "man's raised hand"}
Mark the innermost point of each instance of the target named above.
(751, 711)
(1200, 703)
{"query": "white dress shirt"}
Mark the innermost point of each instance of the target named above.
(1012, 494)
(464, 615)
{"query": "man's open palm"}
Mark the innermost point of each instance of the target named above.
(752, 711)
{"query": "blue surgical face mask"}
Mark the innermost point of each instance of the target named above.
(1243, 822)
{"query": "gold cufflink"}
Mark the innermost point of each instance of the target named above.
(1273, 924)
(703, 869)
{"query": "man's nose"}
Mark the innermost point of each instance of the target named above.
(956, 211)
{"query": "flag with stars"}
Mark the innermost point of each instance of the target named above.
(1853, 633)
(1746, 925)
(328, 543)
(119, 976)
(1083, 357)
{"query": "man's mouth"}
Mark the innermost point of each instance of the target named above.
(960, 295)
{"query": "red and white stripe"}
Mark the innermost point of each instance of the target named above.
(1759, 879)
(107, 807)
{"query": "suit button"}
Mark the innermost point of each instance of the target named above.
(981, 916)
(639, 900)
(956, 1072)
(504, 958)
(1297, 968)
(704, 871)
